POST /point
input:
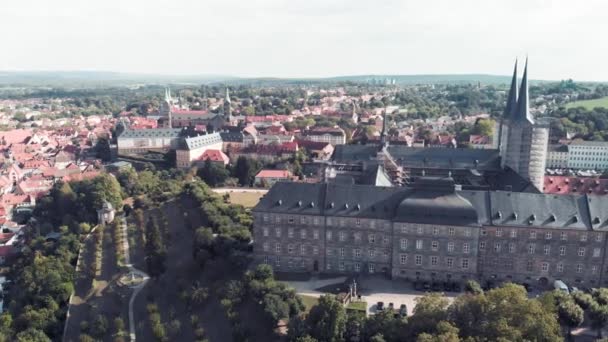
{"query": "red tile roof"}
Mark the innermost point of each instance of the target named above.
(575, 185)
(215, 156)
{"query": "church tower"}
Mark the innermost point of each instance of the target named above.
(227, 108)
(526, 139)
(383, 137)
(503, 132)
(166, 106)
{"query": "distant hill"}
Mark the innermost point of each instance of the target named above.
(100, 78)
(108, 78)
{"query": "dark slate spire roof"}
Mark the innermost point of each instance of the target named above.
(383, 139)
(512, 97)
(522, 114)
(227, 98)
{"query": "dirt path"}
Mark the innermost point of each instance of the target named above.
(132, 270)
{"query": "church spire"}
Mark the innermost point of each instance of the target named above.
(523, 108)
(512, 97)
(383, 139)
(227, 99)
(227, 108)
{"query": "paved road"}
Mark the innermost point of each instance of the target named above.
(137, 288)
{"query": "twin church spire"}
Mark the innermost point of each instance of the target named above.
(518, 107)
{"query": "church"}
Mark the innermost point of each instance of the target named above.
(177, 114)
(518, 164)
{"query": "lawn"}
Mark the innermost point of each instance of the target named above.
(246, 199)
(359, 306)
(309, 301)
(589, 104)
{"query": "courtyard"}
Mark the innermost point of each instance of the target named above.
(372, 289)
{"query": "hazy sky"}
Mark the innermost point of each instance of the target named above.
(296, 38)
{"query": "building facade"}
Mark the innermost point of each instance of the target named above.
(588, 155)
(433, 231)
(144, 140)
(557, 156)
(191, 149)
(334, 136)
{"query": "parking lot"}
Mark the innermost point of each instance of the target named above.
(380, 289)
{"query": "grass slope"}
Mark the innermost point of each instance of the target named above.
(589, 104)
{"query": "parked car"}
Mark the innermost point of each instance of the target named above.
(403, 310)
(380, 306)
(436, 287)
(456, 286)
(561, 286)
(447, 286)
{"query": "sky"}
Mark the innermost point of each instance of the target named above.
(307, 38)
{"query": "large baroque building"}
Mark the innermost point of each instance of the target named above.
(175, 113)
(433, 230)
(439, 214)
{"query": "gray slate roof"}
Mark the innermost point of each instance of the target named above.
(430, 204)
(191, 143)
(151, 133)
(424, 157)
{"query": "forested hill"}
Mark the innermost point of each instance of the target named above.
(106, 78)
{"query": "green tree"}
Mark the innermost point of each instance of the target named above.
(446, 332)
(32, 335)
(275, 308)
(428, 312)
(102, 148)
(327, 319)
(213, 174)
(245, 170)
(570, 315)
(598, 314)
(473, 287)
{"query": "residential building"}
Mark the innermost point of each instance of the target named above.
(334, 136)
(269, 177)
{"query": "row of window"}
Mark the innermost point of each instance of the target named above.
(317, 221)
(547, 235)
(290, 248)
(403, 244)
(357, 252)
(532, 249)
(357, 236)
(434, 261)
